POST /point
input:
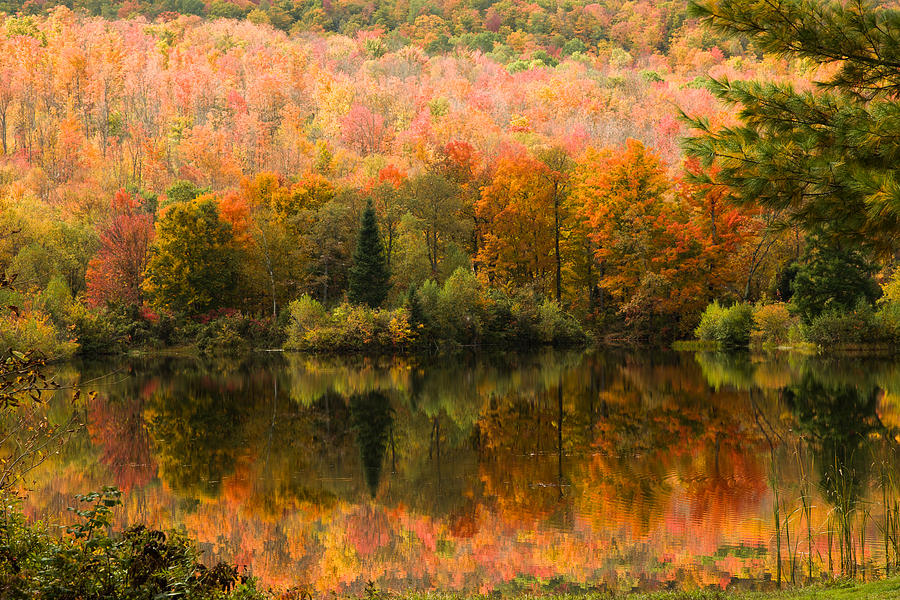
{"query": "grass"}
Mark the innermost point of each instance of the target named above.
(888, 589)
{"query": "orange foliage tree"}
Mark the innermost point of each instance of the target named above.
(654, 256)
(516, 213)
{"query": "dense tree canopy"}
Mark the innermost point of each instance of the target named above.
(533, 155)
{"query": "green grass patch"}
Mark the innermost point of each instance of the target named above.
(888, 589)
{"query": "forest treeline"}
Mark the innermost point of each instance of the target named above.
(519, 31)
(184, 180)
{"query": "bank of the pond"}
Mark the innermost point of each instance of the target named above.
(875, 350)
(862, 330)
(428, 323)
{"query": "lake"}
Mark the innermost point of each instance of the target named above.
(557, 470)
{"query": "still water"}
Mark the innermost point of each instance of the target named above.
(550, 471)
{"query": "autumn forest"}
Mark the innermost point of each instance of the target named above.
(543, 174)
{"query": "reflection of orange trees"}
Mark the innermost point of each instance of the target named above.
(671, 470)
(368, 530)
(672, 459)
(118, 428)
(519, 465)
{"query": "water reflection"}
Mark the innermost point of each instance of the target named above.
(554, 470)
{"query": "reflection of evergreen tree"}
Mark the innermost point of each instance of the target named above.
(372, 416)
(838, 420)
(329, 417)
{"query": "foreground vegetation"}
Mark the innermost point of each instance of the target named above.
(839, 590)
(813, 319)
(90, 561)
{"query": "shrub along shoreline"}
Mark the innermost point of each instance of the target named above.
(812, 321)
(459, 314)
(454, 315)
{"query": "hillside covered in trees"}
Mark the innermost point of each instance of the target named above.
(168, 177)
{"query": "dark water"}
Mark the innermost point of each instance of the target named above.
(561, 471)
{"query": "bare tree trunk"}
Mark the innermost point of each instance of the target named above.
(558, 259)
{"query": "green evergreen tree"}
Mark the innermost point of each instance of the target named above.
(826, 158)
(369, 276)
(832, 277)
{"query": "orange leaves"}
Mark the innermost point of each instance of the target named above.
(208, 158)
(622, 195)
(213, 102)
(234, 208)
(124, 203)
(459, 161)
(72, 154)
(392, 175)
(661, 249)
(259, 190)
(269, 191)
(516, 209)
(363, 130)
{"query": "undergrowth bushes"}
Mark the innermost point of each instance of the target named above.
(842, 328)
(347, 328)
(457, 314)
(24, 330)
(772, 325)
(728, 326)
(120, 327)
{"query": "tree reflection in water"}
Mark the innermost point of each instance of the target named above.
(589, 470)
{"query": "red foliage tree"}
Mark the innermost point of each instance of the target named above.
(115, 273)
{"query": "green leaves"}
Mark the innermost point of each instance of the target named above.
(833, 278)
(93, 561)
(98, 515)
(824, 159)
(369, 277)
(192, 265)
(861, 37)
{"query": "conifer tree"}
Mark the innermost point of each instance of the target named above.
(369, 276)
(826, 158)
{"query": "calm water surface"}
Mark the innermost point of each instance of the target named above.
(557, 470)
